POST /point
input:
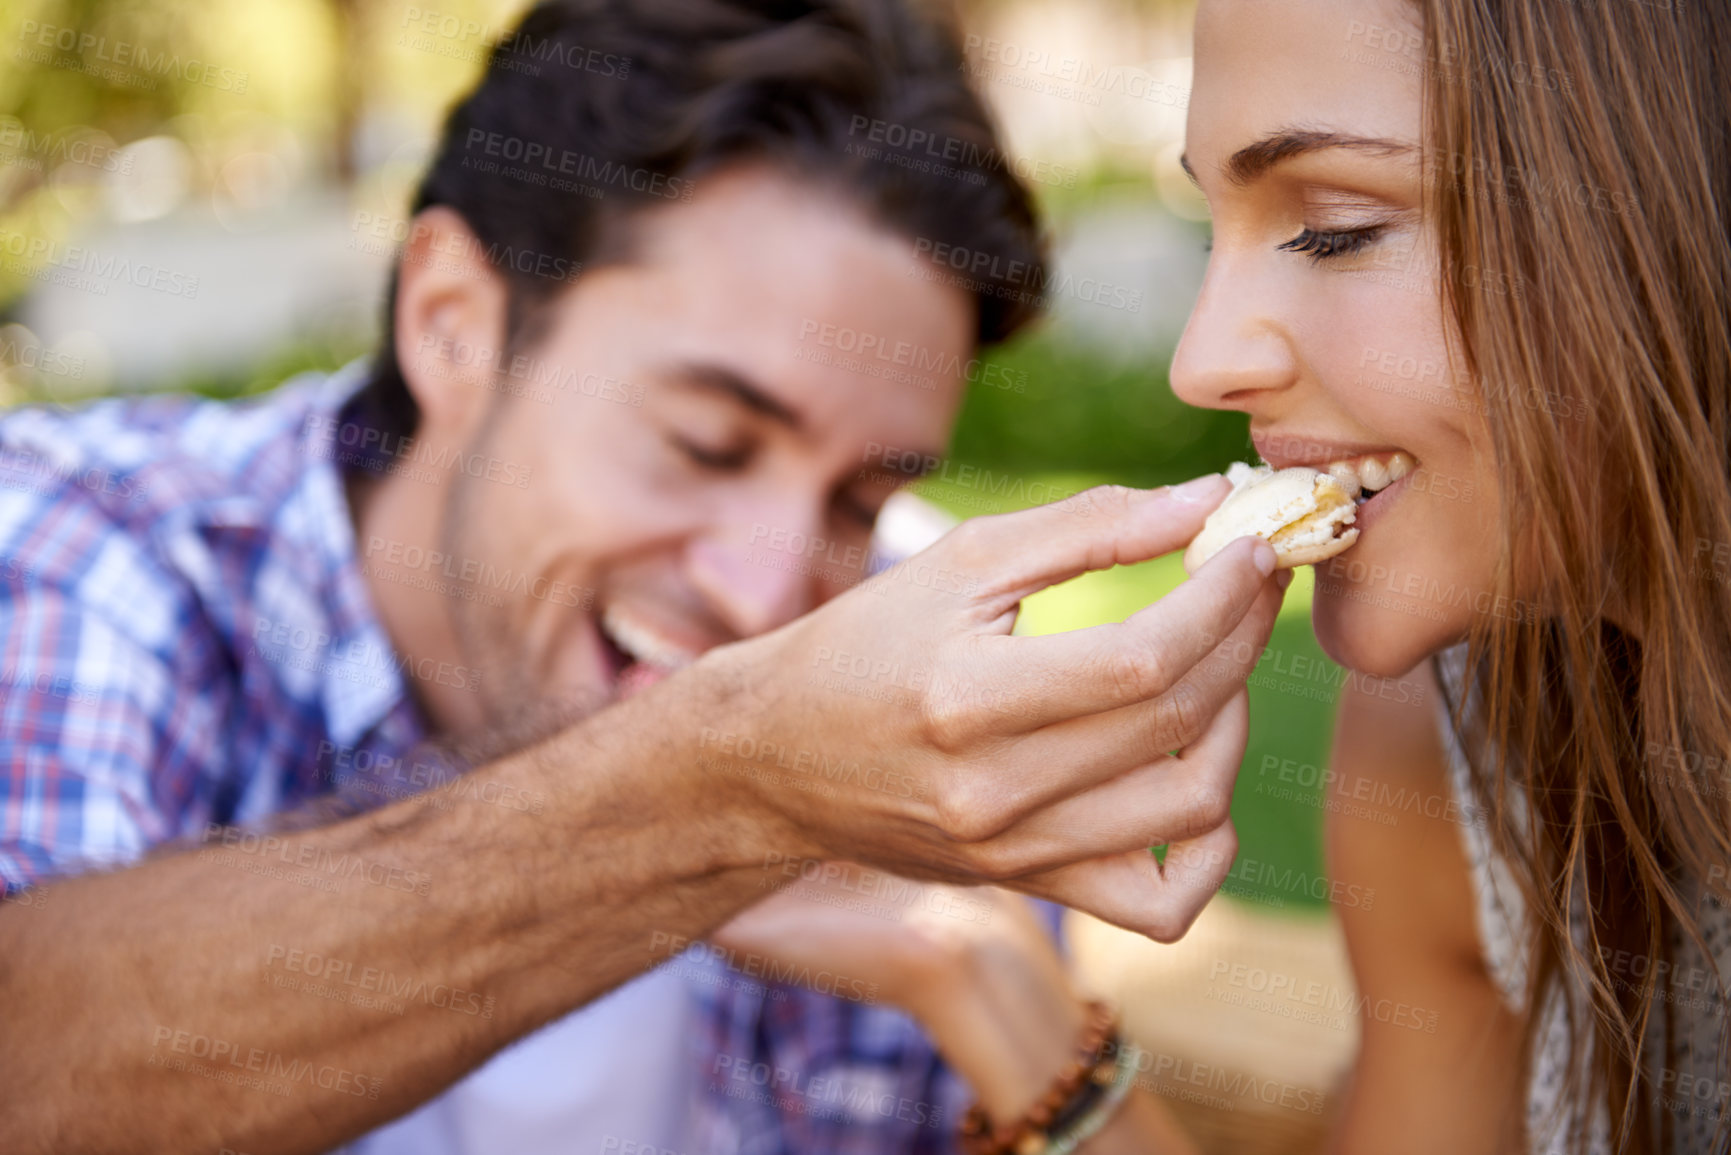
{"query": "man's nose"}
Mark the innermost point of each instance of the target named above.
(760, 573)
(1235, 349)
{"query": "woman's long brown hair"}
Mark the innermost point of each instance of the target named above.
(1581, 162)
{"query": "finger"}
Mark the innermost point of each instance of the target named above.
(1017, 554)
(1135, 891)
(1171, 800)
(1097, 747)
(1056, 677)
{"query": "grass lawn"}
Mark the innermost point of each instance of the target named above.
(1277, 804)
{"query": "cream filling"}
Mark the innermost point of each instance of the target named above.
(1314, 528)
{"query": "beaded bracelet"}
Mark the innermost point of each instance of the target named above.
(1066, 1141)
(1087, 1084)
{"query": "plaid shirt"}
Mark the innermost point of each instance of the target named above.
(186, 636)
(188, 639)
(786, 1071)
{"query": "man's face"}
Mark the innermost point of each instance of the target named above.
(708, 414)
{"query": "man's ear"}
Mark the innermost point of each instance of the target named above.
(449, 318)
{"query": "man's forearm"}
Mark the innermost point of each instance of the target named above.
(285, 995)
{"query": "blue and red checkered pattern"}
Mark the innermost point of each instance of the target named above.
(186, 638)
(787, 1071)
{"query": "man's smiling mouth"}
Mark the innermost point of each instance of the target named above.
(640, 654)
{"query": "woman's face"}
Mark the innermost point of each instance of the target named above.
(1321, 313)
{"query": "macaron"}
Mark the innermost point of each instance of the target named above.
(1304, 514)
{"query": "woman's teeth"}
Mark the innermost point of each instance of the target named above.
(642, 643)
(1364, 477)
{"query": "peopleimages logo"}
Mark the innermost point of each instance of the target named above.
(98, 51)
(662, 944)
(272, 1065)
(922, 150)
(980, 271)
(904, 354)
(24, 147)
(462, 38)
(401, 449)
(540, 161)
(41, 257)
(469, 571)
(312, 965)
(728, 748)
(314, 857)
(1069, 77)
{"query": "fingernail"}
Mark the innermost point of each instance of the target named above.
(1263, 557)
(1197, 491)
(1283, 579)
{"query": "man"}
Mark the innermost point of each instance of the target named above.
(551, 556)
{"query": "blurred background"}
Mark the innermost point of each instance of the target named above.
(189, 195)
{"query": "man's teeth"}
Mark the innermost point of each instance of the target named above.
(643, 643)
(1368, 475)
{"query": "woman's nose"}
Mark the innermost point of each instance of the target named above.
(1234, 346)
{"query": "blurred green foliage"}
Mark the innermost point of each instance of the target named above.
(1085, 412)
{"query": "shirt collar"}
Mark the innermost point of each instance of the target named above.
(358, 694)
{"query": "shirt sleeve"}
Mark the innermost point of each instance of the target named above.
(100, 749)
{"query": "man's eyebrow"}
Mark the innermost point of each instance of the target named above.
(721, 379)
(1253, 160)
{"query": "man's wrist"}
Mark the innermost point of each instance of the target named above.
(655, 749)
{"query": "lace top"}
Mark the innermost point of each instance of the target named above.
(1692, 1093)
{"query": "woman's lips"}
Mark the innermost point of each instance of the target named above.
(1368, 464)
(1375, 477)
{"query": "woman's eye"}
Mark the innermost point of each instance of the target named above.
(726, 459)
(1319, 245)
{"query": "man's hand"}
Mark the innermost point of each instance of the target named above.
(902, 725)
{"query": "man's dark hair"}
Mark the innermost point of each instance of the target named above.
(593, 109)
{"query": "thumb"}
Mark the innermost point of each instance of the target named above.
(1020, 553)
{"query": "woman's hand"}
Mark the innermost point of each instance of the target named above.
(972, 964)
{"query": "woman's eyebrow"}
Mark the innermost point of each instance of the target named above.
(1255, 159)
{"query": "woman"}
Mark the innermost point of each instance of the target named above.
(1481, 247)
(1492, 236)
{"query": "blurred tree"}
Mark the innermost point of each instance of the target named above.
(1071, 410)
(353, 40)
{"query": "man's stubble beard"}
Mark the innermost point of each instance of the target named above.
(517, 713)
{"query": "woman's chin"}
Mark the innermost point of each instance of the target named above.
(1383, 639)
